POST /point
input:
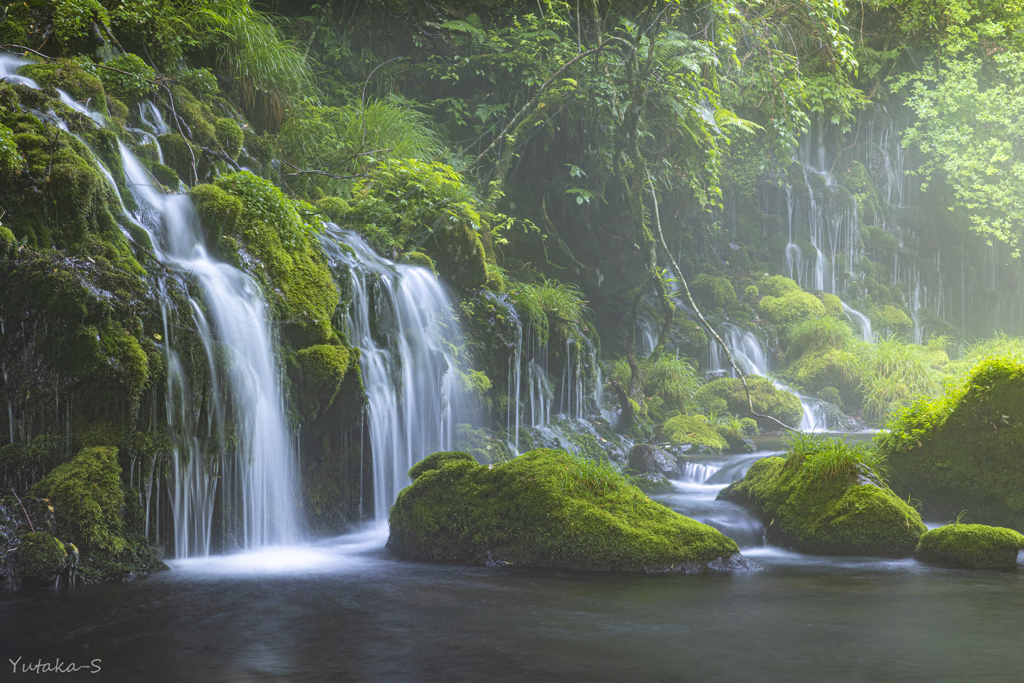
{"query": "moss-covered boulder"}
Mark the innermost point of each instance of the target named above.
(823, 499)
(974, 546)
(792, 308)
(693, 433)
(727, 394)
(40, 558)
(964, 450)
(317, 373)
(547, 509)
(88, 502)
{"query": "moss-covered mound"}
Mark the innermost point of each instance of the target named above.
(693, 431)
(728, 394)
(547, 509)
(823, 499)
(974, 546)
(40, 558)
(965, 450)
(87, 501)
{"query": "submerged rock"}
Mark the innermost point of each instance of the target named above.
(549, 509)
(965, 450)
(974, 546)
(825, 502)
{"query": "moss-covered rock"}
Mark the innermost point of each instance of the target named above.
(833, 305)
(86, 496)
(319, 373)
(767, 400)
(791, 308)
(713, 291)
(974, 546)
(817, 506)
(166, 175)
(692, 432)
(965, 450)
(547, 509)
(69, 76)
(40, 558)
(230, 136)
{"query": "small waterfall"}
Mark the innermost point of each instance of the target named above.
(258, 478)
(263, 471)
(752, 360)
(862, 321)
(401, 319)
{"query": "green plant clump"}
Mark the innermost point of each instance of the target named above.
(825, 498)
(694, 431)
(547, 508)
(135, 84)
(974, 546)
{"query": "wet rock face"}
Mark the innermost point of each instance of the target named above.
(648, 459)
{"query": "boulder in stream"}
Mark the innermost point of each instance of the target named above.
(825, 498)
(974, 546)
(548, 509)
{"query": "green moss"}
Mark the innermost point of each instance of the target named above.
(75, 188)
(791, 308)
(974, 546)
(811, 504)
(778, 286)
(230, 136)
(334, 207)
(833, 305)
(964, 450)
(166, 175)
(72, 78)
(482, 444)
(86, 496)
(200, 82)
(177, 154)
(73, 19)
(767, 400)
(40, 557)
(281, 235)
(11, 160)
(319, 373)
(458, 254)
(418, 258)
(132, 86)
(694, 431)
(893, 319)
(198, 117)
(716, 292)
(752, 293)
(545, 509)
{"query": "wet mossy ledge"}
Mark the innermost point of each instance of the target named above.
(825, 498)
(965, 450)
(548, 509)
(974, 546)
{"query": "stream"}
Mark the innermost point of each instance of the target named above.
(345, 609)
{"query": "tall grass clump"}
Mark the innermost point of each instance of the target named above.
(829, 460)
(897, 373)
(268, 72)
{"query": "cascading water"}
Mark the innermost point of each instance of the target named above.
(862, 321)
(262, 473)
(401, 319)
(258, 478)
(751, 359)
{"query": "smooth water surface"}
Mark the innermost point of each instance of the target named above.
(346, 610)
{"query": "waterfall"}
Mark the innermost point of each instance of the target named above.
(402, 321)
(751, 359)
(263, 469)
(862, 321)
(258, 478)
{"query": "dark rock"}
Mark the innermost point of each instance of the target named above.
(647, 459)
